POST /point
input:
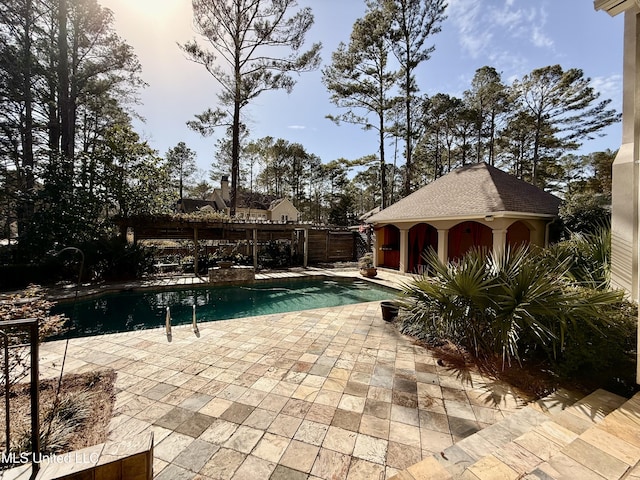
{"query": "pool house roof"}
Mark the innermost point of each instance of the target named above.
(475, 190)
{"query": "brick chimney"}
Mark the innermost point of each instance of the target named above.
(224, 187)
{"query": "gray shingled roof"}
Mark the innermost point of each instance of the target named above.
(190, 205)
(472, 190)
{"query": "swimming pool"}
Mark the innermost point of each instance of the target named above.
(136, 310)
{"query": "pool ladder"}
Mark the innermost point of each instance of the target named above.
(168, 321)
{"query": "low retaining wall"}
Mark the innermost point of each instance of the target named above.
(232, 275)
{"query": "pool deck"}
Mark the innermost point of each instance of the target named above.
(331, 393)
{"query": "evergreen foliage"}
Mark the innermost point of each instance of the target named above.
(525, 306)
(246, 58)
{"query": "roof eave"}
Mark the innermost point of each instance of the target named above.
(615, 7)
(481, 216)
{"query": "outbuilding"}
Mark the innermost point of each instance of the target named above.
(476, 205)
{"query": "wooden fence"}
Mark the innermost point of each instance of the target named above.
(327, 246)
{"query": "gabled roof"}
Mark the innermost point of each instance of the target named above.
(280, 201)
(366, 215)
(190, 205)
(473, 190)
(254, 200)
(275, 203)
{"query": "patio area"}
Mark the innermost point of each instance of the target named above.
(318, 394)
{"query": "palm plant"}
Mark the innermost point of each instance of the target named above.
(589, 256)
(511, 304)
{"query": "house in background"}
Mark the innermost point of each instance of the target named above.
(250, 206)
(473, 206)
(282, 210)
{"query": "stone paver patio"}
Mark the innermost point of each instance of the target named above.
(334, 393)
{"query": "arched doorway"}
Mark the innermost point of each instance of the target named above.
(467, 235)
(421, 237)
(518, 234)
(389, 241)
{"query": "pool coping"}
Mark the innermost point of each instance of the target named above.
(86, 291)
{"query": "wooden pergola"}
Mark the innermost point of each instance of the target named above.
(324, 243)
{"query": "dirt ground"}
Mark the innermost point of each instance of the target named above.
(93, 391)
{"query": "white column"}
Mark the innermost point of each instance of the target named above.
(499, 241)
(443, 245)
(404, 250)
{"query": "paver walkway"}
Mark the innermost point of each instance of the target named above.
(333, 393)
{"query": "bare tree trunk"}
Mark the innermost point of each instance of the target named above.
(26, 205)
(64, 100)
(408, 152)
(383, 166)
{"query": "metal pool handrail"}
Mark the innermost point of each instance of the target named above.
(194, 323)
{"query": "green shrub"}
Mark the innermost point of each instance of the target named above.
(104, 259)
(231, 254)
(588, 256)
(514, 305)
(275, 255)
(18, 276)
(115, 259)
(608, 349)
(585, 213)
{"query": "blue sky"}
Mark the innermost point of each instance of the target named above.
(514, 36)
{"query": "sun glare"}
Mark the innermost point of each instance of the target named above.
(152, 10)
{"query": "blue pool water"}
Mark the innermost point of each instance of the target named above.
(135, 310)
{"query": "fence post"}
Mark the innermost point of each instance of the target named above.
(5, 338)
(34, 390)
(35, 397)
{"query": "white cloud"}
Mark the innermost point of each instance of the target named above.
(538, 36)
(296, 127)
(506, 17)
(507, 62)
(609, 88)
(484, 28)
(539, 39)
(519, 22)
(466, 16)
